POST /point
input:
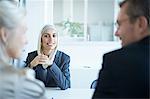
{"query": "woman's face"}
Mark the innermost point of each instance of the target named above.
(16, 40)
(49, 40)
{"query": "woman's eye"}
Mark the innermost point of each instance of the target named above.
(54, 35)
(45, 35)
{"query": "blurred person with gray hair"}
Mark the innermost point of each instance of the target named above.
(15, 83)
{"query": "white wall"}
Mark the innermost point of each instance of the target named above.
(87, 53)
(35, 21)
(100, 11)
(86, 60)
(58, 11)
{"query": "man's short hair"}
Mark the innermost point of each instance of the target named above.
(137, 8)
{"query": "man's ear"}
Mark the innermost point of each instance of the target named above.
(143, 24)
(3, 35)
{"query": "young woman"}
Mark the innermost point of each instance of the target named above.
(51, 66)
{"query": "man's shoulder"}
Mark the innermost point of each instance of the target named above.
(137, 47)
(120, 52)
(114, 52)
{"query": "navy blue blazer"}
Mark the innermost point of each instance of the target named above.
(58, 74)
(125, 72)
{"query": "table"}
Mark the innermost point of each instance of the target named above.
(71, 93)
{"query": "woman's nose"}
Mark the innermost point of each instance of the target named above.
(51, 39)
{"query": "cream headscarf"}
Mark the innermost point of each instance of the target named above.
(53, 53)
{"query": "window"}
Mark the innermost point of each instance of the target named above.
(76, 20)
(22, 3)
(85, 20)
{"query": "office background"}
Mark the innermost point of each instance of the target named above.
(96, 19)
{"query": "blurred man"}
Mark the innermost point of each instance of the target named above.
(125, 72)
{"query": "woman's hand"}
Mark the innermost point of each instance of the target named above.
(40, 59)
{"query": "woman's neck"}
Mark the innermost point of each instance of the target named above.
(4, 56)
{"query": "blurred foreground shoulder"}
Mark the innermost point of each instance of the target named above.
(16, 84)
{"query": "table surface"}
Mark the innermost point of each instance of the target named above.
(71, 93)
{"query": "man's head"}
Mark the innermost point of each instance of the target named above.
(133, 21)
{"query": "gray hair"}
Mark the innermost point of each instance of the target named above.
(10, 14)
(10, 17)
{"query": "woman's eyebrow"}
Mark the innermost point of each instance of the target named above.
(45, 33)
(49, 33)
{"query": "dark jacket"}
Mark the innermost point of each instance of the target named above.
(125, 72)
(58, 74)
